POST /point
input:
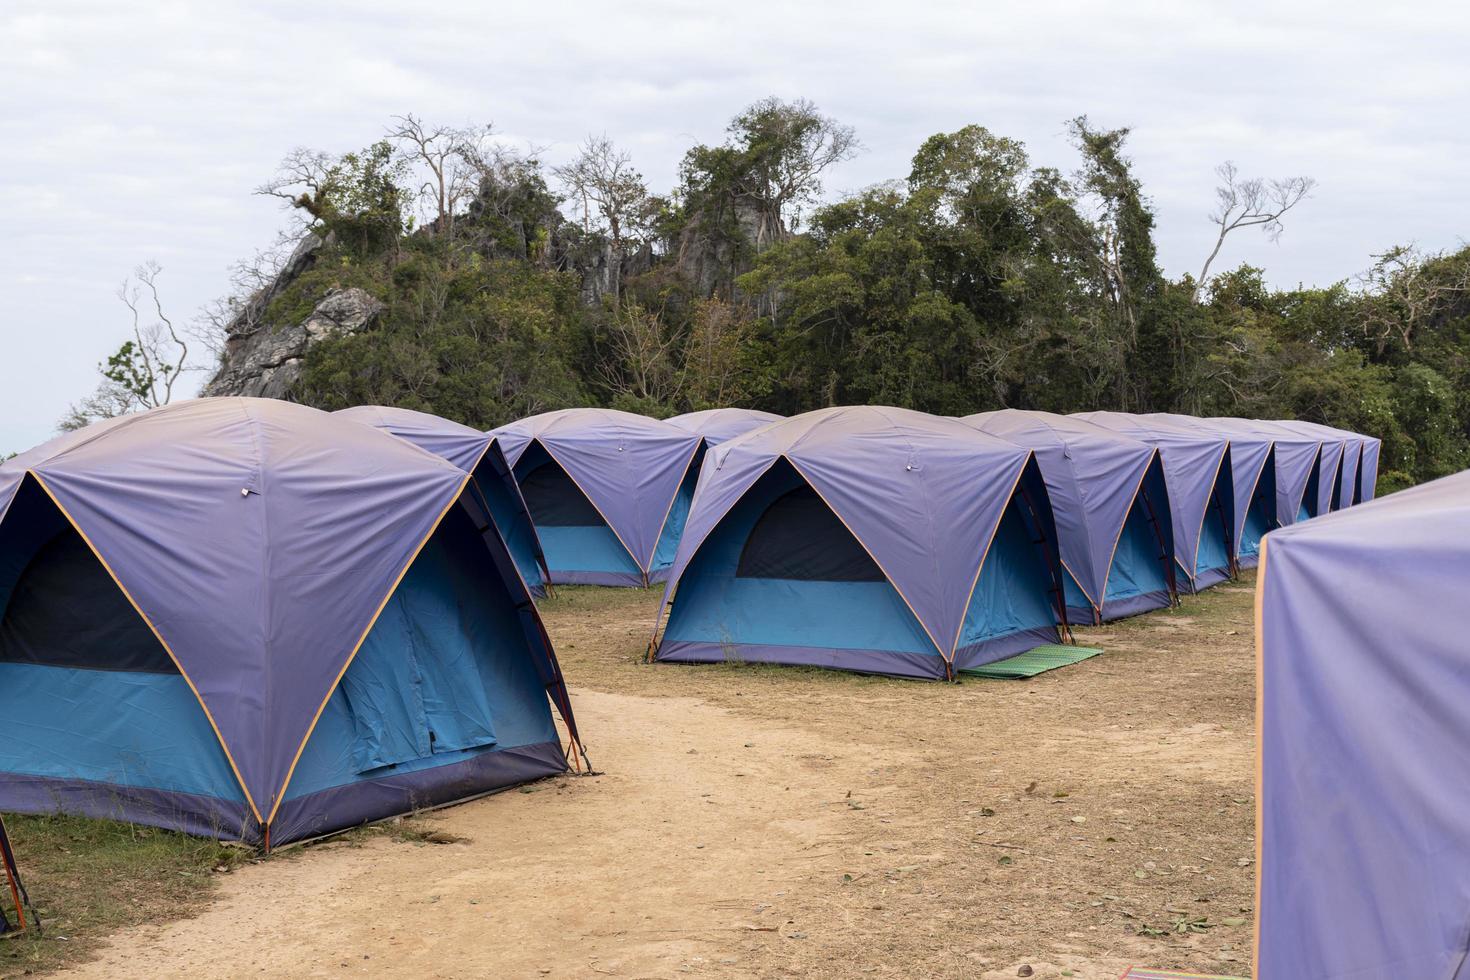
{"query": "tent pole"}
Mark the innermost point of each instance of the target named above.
(1230, 560)
(17, 888)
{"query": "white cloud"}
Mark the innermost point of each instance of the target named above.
(138, 131)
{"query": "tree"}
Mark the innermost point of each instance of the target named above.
(771, 163)
(721, 357)
(513, 213)
(639, 367)
(358, 198)
(142, 373)
(1406, 289)
(444, 153)
(785, 148)
(602, 175)
(1124, 248)
(1250, 203)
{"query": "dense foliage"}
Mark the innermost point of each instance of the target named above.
(977, 281)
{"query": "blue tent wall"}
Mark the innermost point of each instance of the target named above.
(730, 617)
(673, 529)
(504, 504)
(447, 657)
(585, 553)
(1337, 478)
(1308, 507)
(1260, 517)
(1212, 563)
(1011, 610)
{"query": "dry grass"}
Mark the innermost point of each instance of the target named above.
(1104, 809)
(90, 878)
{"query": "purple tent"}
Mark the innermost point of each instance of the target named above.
(872, 539)
(1296, 457)
(1201, 491)
(1253, 473)
(251, 619)
(719, 425)
(1111, 506)
(1364, 754)
(1368, 470)
(1330, 466)
(1354, 454)
(477, 453)
(608, 491)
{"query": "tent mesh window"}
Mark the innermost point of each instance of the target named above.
(556, 501)
(798, 537)
(66, 611)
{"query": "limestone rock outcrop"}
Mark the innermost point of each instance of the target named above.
(266, 362)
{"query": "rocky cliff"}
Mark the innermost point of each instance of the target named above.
(266, 359)
(263, 360)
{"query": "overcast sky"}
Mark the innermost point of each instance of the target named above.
(136, 131)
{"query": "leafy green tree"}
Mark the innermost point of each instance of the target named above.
(357, 199)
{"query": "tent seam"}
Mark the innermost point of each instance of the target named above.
(917, 618)
(547, 449)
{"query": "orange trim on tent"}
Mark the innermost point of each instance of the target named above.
(670, 509)
(281, 793)
(1068, 568)
(922, 625)
(1260, 604)
(547, 449)
(994, 532)
(162, 642)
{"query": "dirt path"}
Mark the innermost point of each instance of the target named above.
(770, 822)
(667, 862)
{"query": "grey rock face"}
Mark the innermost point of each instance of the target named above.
(266, 363)
(711, 262)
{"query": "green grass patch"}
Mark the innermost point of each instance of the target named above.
(89, 878)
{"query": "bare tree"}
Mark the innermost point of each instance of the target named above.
(1406, 289)
(158, 354)
(506, 179)
(639, 363)
(254, 281)
(143, 371)
(601, 176)
(300, 180)
(445, 153)
(109, 401)
(1253, 202)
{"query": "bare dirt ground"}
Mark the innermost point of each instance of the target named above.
(770, 822)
